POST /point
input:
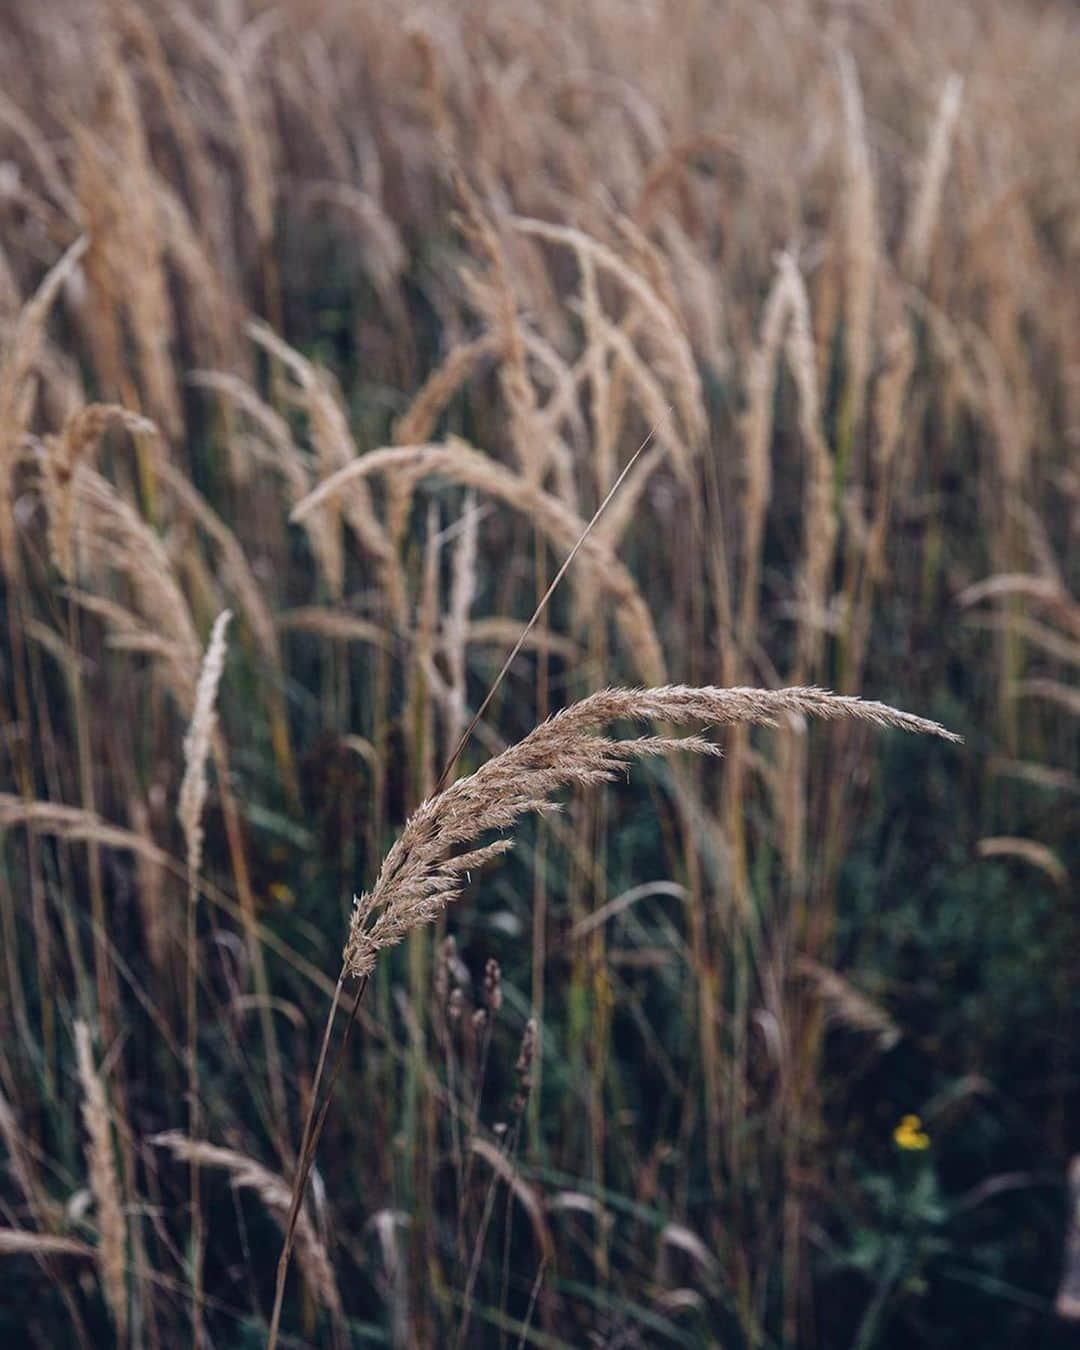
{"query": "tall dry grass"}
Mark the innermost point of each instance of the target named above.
(347, 322)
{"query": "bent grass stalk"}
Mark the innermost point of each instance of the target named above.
(418, 878)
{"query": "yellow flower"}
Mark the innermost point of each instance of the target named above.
(909, 1134)
(281, 894)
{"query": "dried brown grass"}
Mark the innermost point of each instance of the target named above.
(275, 1193)
(104, 1182)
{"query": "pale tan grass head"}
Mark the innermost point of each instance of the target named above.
(104, 1182)
(197, 743)
(429, 864)
(76, 445)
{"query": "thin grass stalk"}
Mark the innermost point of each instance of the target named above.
(193, 790)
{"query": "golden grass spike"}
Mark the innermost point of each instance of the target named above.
(927, 207)
(118, 539)
(104, 1182)
(418, 421)
(847, 1005)
(235, 568)
(17, 363)
(82, 433)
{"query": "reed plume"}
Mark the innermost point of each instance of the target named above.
(197, 743)
(423, 873)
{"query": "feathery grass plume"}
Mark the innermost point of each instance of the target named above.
(273, 444)
(235, 569)
(458, 365)
(21, 354)
(422, 874)
(100, 208)
(757, 442)
(76, 825)
(135, 250)
(1066, 696)
(655, 404)
(211, 310)
(890, 394)
(335, 624)
(494, 297)
(499, 632)
(276, 1194)
(82, 432)
(336, 450)
(115, 537)
(104, 1182)
(1043, 588)
(425, 685)
(382, 251)
(197, 743)
(37, 146)
(463, 464)
(924, 214)
(193, 789)
(1039, 775)
(819, 535)
(232, 70)
(819, 530)
(1040, 635)
(139, 34)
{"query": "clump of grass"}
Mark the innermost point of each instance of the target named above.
(104, 1182)
(422, 873)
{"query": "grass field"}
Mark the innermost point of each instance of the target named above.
(378, 382)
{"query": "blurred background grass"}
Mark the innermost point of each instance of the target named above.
(832, 249)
